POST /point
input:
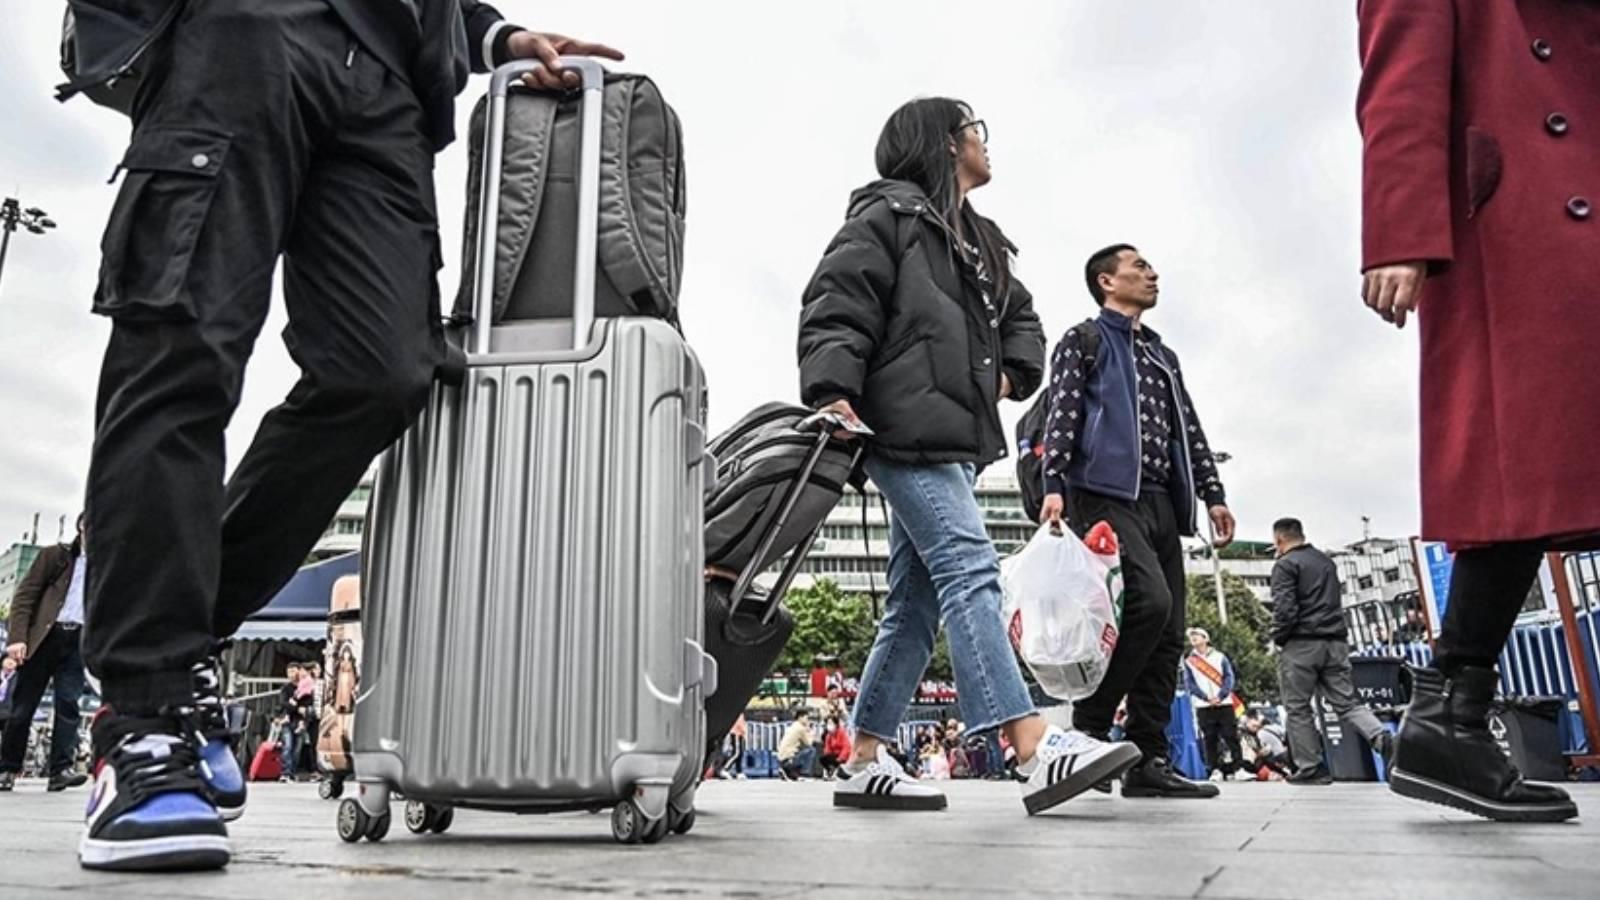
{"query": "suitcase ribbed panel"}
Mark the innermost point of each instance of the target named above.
(533, 572)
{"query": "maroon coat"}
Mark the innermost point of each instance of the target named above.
(1481, 126)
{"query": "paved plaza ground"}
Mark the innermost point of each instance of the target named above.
(774, 840)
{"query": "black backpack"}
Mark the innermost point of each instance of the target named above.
(757, 460)
(1030, 430)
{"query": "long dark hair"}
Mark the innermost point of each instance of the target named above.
(914, 146)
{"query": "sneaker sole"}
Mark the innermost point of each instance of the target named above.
(186, 852)
(1427, 790)
(230, 813)
(1110, 765)
(931, 803)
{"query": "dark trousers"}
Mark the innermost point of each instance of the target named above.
(1219, 738)
(1144, 667)
(1487, 588)
(59, 659)
(261, 130)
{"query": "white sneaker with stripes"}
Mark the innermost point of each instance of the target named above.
(884, 784)
(1067, 763)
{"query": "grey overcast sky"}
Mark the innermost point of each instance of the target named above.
(1219, 137)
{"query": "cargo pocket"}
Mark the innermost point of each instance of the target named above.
(155, 223)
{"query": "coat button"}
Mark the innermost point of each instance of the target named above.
(1578, 208)
(987, 360)
(1542, 49)
(200, 161)
(994, 323)
(1556, 124)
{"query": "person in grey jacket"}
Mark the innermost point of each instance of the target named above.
(1314, 657)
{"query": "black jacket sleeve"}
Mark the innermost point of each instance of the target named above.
(1285, 599)
(487, 33)
(1021, 343)
(842, 312)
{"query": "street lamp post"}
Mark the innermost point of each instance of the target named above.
(13, 216)
(1216, 561)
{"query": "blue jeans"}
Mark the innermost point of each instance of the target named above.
(803, 763)
(287, 748)
(942, 565)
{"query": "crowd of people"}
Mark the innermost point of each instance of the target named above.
(914, 328)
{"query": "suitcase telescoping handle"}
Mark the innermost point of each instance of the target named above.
(824, 424)
(588, 197)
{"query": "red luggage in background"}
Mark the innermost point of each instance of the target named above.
(267, 764)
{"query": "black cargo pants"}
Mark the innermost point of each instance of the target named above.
(261, 130)
(1144, 666)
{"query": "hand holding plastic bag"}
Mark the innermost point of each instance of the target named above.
(1063, 607)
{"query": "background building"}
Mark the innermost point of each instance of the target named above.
(853, 548)
(14, 564)
(855, 553)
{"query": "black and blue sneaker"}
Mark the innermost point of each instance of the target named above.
(149, 810)
(219, 767)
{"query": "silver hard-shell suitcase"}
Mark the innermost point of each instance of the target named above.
(532, 580)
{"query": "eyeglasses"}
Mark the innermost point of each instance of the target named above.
(982, 126)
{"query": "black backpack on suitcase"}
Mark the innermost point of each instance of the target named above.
(779, 473)
(758, 460)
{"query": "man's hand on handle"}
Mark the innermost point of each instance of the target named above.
(549, 48)
(1394, 290)
(18, 652)
(1222, 522)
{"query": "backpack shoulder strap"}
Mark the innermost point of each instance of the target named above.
(1089, 334)
(530, 130)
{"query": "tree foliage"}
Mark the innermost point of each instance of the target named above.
(831, 623)
(1245, 639)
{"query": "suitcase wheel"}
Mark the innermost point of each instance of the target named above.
(443, 819)
(422, 818)
(628, 824)
(331, 788)
(352, 821)
(682, 823)
(379, 828)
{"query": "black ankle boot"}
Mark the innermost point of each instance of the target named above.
(1445, 755)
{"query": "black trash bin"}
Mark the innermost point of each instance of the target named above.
(1349, 757)
(1380, 684)
(1380, 681)
(1528, 730)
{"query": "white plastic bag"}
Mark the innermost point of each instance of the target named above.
(1063, 607)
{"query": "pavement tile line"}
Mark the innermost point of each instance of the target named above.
(1206, 881)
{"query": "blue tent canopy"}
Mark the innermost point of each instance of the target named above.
(310, 592)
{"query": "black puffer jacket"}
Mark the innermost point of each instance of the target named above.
(896, 323)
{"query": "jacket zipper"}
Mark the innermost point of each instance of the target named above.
(1138, 426)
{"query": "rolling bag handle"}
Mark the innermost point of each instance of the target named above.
(824, 424)
(588, 197)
